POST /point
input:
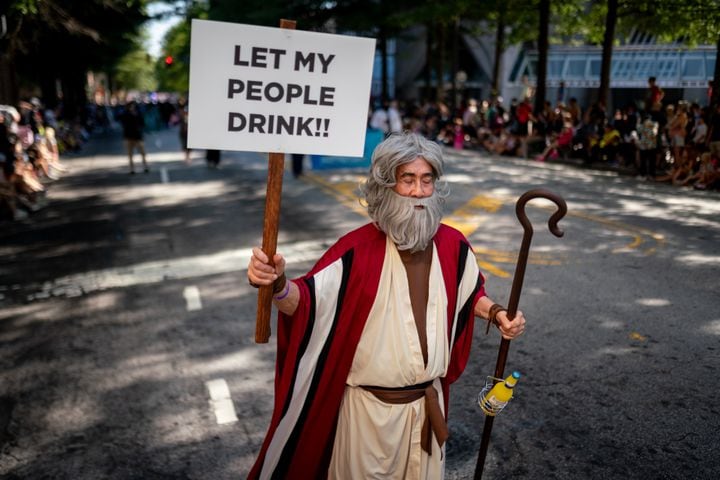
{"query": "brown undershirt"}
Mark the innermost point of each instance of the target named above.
(417, 267)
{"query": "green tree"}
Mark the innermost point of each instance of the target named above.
(135, 71)
(52, 40)
(688, 21)
(175, 77)
(531, 22)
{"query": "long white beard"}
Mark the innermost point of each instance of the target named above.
(408, 226)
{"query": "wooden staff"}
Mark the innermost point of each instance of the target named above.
(273, 195)
(515, 294)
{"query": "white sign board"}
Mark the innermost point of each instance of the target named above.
(266, 89)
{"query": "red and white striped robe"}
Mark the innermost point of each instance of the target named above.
(316, 345)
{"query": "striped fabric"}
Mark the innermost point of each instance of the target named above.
(317, 344)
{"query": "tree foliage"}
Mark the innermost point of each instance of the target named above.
(49, 40)
(175, 77)
(135, 70)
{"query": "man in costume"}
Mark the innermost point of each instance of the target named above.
(371, 338)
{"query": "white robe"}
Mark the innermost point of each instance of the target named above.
(379, 440)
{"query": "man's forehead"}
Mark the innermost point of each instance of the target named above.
(419, 166)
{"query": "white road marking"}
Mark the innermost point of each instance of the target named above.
(192, 298)
(221, 402)
(164, 178)
(226, 261)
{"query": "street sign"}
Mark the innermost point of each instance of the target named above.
(267, 89)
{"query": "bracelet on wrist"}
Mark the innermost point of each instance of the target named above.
(285, 293)
(495, 309)
(279, 284)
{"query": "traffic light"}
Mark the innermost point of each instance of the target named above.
(169, 60)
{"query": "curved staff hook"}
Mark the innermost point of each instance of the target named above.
(515, 293)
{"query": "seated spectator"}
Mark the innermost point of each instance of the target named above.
(573, 108)
(606, 147)
(503, 144)
(678, 174)
(708, 175)
(561, 141)
(8, 204)
(24, 178)
(53, 152)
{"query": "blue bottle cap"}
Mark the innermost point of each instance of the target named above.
(516, 374)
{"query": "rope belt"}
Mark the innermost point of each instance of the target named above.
(434, 422)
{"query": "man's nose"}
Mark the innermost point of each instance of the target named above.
(420, 189)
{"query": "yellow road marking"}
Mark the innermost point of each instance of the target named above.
(465, 218)
(638, 234)
(467, 221)
(637, 336)
(344, 192)
(490, 268)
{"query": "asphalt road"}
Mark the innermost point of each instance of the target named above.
(127, 327)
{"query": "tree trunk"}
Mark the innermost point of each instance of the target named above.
(8, 81)
(384, 60)
(453, 73)
(542, 54)
(610, 22)
(715, 99)
(499, 48)
(74, 96)
(428, 63)
(48, 87)
(440, 63)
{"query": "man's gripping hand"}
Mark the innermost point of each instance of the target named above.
(260, 271)
(511, 329)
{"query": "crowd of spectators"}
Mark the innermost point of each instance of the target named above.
(33, 139)
(678, 143)
(661, 142)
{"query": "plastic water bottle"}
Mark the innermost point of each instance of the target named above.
(499, 395)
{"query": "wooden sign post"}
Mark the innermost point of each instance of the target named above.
(277, 91)
(271, 223)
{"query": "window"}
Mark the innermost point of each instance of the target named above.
(693, 68)
(576, 68)
(555, 68)
(710, 65)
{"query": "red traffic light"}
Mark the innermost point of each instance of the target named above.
(168, 60)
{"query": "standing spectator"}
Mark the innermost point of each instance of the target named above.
(133, 125)
(394, 117)
(523, 114)
(660, 116)
(297, 164)
(523, 117)
(575, 111)
(676, 132)
(647, 145)
(713, 135)
(182, 114)
(379, 119)
(698, 137)
(655, 94)
(560, 93)
(7, 147)
(212, 158)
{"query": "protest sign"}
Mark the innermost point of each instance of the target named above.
(266, 89)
